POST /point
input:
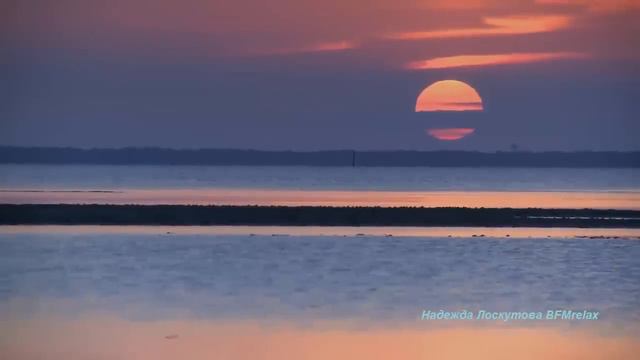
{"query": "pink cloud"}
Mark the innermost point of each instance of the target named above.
(510, 25)
(490, 59)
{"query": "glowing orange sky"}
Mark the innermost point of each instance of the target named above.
(597, 5)
(449, 95)
(254, 28)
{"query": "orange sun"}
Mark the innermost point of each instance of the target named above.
(450, 134)
(449, 95)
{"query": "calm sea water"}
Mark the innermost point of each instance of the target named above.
(339, 186)
(316, 178)
(319, 277)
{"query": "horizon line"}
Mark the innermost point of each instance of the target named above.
(518, 151)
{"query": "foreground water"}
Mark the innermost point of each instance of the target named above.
(164, 293)
(327, 276)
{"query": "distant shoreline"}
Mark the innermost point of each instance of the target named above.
(345, 158)
(61, 214)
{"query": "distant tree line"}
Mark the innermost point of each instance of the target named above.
(312, 215)
(161, 156)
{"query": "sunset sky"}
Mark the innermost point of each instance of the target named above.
(319, 74)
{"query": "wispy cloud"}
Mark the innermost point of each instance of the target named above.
(194, 29)
(510, 25)
(313, 48)
(490, 59)
(330, 46)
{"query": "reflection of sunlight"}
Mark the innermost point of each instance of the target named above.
(236, 196)
(270, 230)
(509, 25)
(107, 337)
(494, 59)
